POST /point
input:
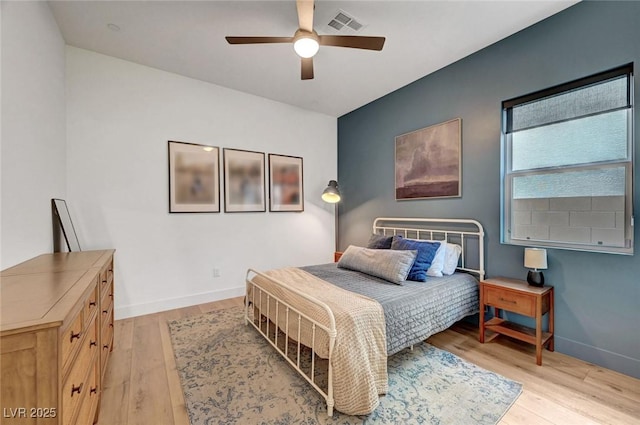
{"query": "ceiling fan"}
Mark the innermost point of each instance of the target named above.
(306, 41)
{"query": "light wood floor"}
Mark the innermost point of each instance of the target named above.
(143, 387)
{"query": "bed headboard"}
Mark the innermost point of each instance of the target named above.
(467, 233)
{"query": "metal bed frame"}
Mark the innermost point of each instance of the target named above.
(459, 231)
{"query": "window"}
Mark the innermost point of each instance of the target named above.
(567, 165)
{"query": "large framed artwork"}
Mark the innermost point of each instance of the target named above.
(428, 162)
(285, 183)
(244, 181)
(194, 178)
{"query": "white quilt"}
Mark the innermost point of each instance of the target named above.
(359, 357)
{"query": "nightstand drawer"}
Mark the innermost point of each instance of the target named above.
(511, 301)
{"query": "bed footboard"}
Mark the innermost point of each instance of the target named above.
(274, 319)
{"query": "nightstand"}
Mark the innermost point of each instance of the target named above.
(336, 256)
(517, 296)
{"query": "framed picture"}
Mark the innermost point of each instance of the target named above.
(194, 178)
(428, 162)
(285, 183)
(244, 186)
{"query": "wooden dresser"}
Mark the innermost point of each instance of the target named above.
(56, 334)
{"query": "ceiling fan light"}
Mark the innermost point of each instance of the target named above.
(306, 47)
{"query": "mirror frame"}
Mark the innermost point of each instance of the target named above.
(62, 222)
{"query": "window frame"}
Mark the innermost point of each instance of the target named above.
(507, 174)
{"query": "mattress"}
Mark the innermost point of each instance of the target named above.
(413, 311)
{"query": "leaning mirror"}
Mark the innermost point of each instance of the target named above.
(62, 224)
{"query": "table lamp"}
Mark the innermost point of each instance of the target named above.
(536, 259)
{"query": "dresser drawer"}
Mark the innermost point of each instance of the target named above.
(104, 279)
(107, 346)
(509, 300)
(110, 270)
(107, 325)
(91, 304)
(107, 336)
(78, 382)
(106, 314)
(107, 319)
(90, 400)
(107, 298)
(71, 338)
(93, 337)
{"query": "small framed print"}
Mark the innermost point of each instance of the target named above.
(194, 178)
(285, 183)
(244, 181)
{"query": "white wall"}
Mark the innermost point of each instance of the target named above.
(33, 128)
(120, 116)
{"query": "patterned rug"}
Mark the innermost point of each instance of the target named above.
(231, 375)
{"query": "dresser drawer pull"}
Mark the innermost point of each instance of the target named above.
(105, 311)
(106, 346)
(93, 390)
(110, 325)
(111, 296)
(508, 301)
(75, 336)
(92, 303)
(76, 389)
(93, 343)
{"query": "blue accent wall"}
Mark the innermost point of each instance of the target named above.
(597, 295)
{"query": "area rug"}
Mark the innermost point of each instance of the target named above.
(231, 375)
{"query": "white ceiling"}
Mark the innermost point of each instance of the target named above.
(187, 38)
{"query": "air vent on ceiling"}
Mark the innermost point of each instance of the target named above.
(343, 22)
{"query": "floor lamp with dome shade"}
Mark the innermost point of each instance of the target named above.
(331, 195)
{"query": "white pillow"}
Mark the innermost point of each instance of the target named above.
(437, 265)
(452, 255)
(446, 260)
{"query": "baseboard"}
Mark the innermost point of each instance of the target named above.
(172, 303)
(610, 360)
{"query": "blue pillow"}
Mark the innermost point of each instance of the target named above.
(379, 241)
(426, 253)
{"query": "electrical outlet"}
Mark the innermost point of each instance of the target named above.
(216, 272)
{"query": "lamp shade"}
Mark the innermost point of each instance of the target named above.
(535, 258)
(306, 47)
(331, 194)
(306, 43)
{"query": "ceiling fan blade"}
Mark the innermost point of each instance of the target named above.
(258, 40)
(307, 69)
(353, 41)
(305, 14)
